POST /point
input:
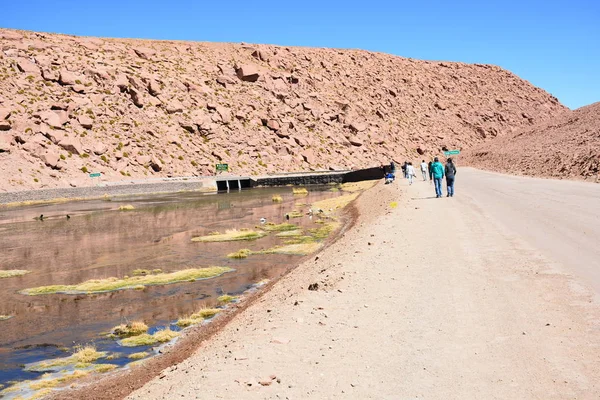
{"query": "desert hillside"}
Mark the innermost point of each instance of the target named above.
(567, 146)
(140, 109)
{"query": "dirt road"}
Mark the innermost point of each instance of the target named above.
(435, 299)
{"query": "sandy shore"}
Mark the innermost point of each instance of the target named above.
(431, 299)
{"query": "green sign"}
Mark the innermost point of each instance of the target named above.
(222, 167)
(451, 152)
(95, 175)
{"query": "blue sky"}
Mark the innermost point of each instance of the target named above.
(553, 44)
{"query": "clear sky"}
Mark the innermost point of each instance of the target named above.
(553, 44)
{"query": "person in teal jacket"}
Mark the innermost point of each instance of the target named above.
(437, 171)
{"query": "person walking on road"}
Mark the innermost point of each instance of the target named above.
(410, 172)
(450, 175)
(437, 171)
(424, 170)
(429, 169)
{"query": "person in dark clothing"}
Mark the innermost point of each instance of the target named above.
(450, 175)
(393, 167)
(429, 169)
(404, 169)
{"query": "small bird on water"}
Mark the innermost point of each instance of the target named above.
(40, 218)
(287, 217)
(263, 220)
(68, 216)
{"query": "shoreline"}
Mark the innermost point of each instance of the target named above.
(124, 382)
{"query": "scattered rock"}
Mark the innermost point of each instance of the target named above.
(66, 78)
(247, 73)
(71, 145)
(280, 340)
(27, 66)
(273, 125)
(85, 121)
(50, 158)
(313, 286)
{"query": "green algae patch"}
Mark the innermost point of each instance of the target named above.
(198, 317)
(277, 199)
(134, 282)
(146, 339)
(242, 253)
(130, 329)
(127, 207)
(5, 317)
(271, 227)
(300, 191)
(230, 236)
(138, 356)
(226, 298)
(11, 273)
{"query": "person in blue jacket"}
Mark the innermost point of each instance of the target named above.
(437, 171)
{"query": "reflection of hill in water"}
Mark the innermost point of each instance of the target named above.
(100, 244)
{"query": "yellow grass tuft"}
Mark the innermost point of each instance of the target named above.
(138, 356)
(277, 199)
(130, 329)
(300, 249)
(146, 340)
(297, 232)
(12, 273)
(51, 383)
(226, 298)
(242, 253)
(300, 191)
(5, 317)
(82, 358)
(295, 214)
(230, 235)
(87, 354)
(135, 282)
(324, 231)
(271, 227)
(394, 204)
(102, 368)
(198, 317)
(127, 207)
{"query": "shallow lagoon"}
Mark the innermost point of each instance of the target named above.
(100, 241)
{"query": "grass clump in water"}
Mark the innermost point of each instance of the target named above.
(230, 236)
(271, 227)
(127, 207)
(295, 214)
(13, 272)
(102, 368)
(277, 199)
(5, 317)
(198, 317)
(146, 339)
(226, 298)
(51, 383)
(297, 232)
(82, 358)
(299, 249)
(130, 329)
(138, 356)
(135, 282)
(242, 253)
(324, 231)
(300, 191)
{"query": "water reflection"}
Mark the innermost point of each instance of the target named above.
(99, 241)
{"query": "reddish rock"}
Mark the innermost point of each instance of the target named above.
(155, 164)
(273, 125)
(144, 52)
(225, 114)
(143, 160)
(309, 156)
(358, 126)
(5, 143)
(136, 98)
(71, 145)
(27, 66)
(66, 78)
(50, 158)
(355, 141)
(85, 121)
(174, 106)
(248, 73)
(154, 88)
(51, 118)
(100, 148)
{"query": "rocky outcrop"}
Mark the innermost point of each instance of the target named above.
(107, 105)
(567, 146)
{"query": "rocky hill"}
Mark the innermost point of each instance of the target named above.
(567, 146)
(139, 109)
